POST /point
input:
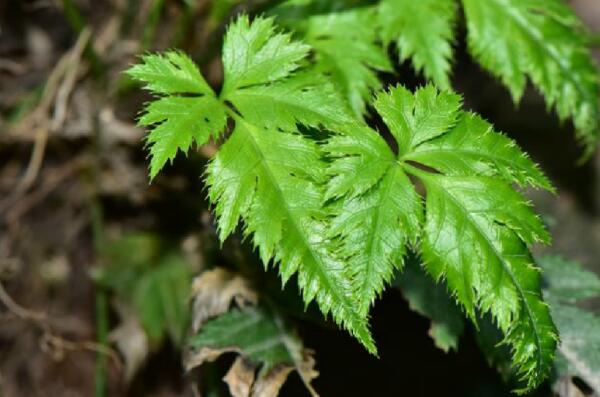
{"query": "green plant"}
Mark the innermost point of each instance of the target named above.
(326, 197)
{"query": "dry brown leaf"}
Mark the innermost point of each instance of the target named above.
(270, 384)
(206, 354)
(131, 341)
(240, 377)
(214, 291)
(242, 381)
(306, 369)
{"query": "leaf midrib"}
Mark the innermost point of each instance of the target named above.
(245, 92)
(517, 285)
(430, 177)
(347, 305)
(368, 270)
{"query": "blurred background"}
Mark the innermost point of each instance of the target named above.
(75, 201)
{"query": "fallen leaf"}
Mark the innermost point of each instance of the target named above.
(214, 291)
(240, 377)
(270, 384)
(131, 341)
(264, 342)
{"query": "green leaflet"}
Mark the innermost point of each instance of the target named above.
(414, 119)
(542, 40)
(266, 172)
(171, 73)
(423, 31)
(566, 285)
(306, 98)
(177, 120)
(476, 149)
(378, 211)
(474, 229)
(346, 49)
(254, 53)
(486, 263)
(268, 169)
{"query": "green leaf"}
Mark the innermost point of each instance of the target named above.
(270, 179)
(579, 350)
(473, 148)
(171, 73)
(253, 332)
(346, 49)
(378, 213)
(305, 98)
(146, 275)
(542, 40)
(423, 31)
(414, 119)
(160, 297)
(258, 335)
(475, 234)
(270, 175)
(475, 230)
(177, 123)
(255, 53)
(176, 119)
(432, 300)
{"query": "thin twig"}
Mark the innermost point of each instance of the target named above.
(34, 165)
(15, 210)
(50, 343)
(58, 89)
(18, 310)
(66, 88)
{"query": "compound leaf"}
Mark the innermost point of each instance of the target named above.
(474, 231)
(268, 173)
